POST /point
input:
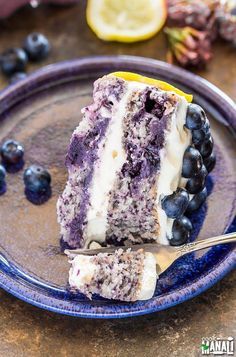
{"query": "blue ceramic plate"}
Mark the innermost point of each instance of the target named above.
(41, 112)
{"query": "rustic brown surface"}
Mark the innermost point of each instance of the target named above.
(28, 331)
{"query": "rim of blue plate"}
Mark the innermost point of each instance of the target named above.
(55, 73)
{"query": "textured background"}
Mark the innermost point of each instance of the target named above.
(28, 331)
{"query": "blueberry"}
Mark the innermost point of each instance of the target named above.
(37, 46)
(181, 230)
(198, 136)
(197, 200)
(12, 152)
(175, 205)
(210, 162)
(206, 147)
(40, 197)
(196, 183)
(17, 77)
(195, 118)
(192, 162)
(13, 60)
(37, 179)
(2, 174)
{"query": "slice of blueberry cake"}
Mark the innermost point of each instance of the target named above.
(137, 163)
(124, 275)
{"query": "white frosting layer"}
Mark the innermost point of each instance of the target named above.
(81, 272)
(177, 141)
(149, 278)
(112, 156)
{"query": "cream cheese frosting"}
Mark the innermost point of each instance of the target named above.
(177, 141)
(81, 272)
(149, 278)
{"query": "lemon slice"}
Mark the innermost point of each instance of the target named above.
(129, 76)
(126, 20)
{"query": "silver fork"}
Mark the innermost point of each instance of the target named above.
(165, 255)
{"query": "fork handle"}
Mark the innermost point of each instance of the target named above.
(206, 243)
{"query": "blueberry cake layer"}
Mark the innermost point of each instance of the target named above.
(123, 275)
(137, 162)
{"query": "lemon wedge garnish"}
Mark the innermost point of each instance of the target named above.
(129, 76)
(126, 20)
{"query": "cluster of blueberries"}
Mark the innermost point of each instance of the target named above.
(199, 160)
(37, 180)
(14, 60)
